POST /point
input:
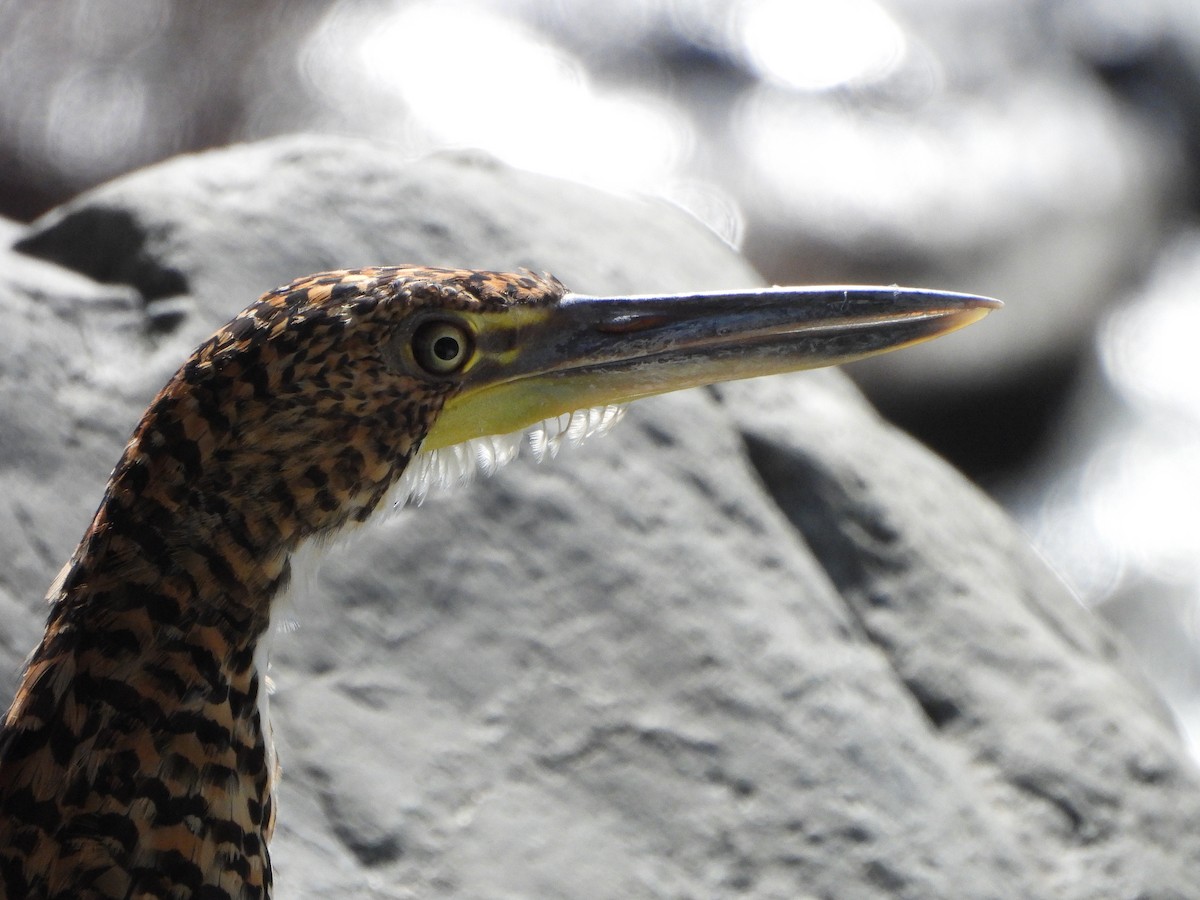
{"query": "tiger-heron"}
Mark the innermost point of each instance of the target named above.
(136, 758)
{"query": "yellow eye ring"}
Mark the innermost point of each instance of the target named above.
(441, 348)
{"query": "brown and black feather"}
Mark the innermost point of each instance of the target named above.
(134, 761)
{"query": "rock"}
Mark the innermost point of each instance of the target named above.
(1114, 502)
(754, 643)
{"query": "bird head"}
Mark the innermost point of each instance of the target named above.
(324, 395)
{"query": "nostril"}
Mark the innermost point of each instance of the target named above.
(631, 323)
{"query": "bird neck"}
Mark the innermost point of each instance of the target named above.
(143, 705)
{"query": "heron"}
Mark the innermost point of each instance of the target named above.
(136, 759)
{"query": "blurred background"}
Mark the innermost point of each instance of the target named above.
(1041, 151)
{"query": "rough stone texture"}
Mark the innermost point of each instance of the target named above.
(755, 643)
(1121, 521)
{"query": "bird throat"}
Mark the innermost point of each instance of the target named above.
(431, 471)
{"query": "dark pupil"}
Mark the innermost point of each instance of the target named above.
(445, 348)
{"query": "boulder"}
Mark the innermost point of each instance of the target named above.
(755, 643)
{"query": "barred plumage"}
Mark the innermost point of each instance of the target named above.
(135, 760)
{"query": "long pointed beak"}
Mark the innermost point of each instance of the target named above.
(535, 363)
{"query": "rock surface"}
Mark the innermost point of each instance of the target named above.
(755, 643)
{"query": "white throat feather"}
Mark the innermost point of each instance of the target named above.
(447, 467)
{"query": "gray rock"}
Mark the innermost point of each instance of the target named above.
(1114, 504)
(755, 643)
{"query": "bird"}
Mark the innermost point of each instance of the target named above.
(136, 759)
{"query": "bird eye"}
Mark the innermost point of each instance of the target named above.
(441, 348)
